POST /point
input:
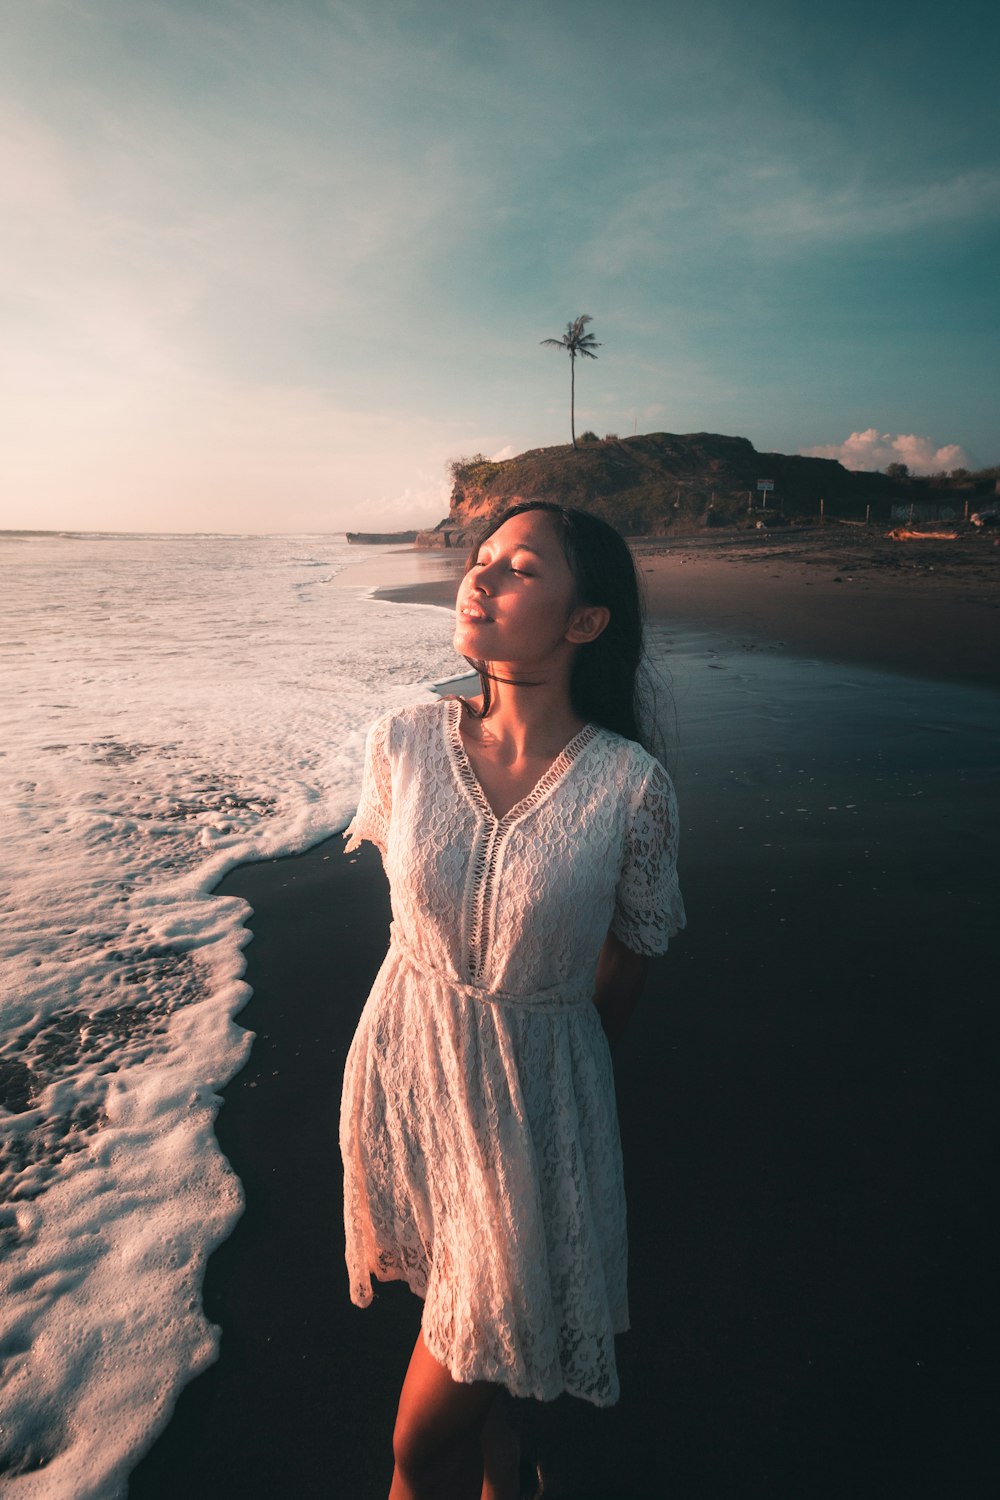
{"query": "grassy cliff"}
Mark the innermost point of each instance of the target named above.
(661, 481)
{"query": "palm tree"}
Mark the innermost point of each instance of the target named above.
(575, 342)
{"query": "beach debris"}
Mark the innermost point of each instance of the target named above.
(901, 534)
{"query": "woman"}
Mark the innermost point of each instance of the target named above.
(530, 844)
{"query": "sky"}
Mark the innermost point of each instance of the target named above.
(267, 265)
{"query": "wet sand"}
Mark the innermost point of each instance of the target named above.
(806, 1095)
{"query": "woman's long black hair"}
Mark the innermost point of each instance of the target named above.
(606, 685)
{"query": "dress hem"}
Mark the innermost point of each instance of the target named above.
(522, 1391)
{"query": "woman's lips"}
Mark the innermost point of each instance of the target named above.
(474, 613)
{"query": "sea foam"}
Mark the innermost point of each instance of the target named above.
(171, 707)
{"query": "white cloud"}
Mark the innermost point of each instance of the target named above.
(872, 449)
(422, 504)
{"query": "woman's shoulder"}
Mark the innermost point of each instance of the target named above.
(397, 726)
(632, 761)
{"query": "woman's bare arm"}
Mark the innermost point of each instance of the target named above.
(620, 978)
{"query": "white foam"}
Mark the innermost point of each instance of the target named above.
(171, 706)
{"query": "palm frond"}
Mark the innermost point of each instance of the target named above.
(575, 340)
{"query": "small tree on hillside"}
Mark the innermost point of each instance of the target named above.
(575, 341)
(898, 471)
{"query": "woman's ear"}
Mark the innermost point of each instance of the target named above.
(586, 623)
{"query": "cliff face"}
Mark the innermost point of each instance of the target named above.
(661, 481)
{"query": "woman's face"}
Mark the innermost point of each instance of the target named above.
(517, 603)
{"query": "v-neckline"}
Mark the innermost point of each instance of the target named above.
(545, 784)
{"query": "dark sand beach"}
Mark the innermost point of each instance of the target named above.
(807, 1093)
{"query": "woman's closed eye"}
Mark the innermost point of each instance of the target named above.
(487, 562)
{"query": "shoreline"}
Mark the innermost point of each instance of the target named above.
(839, 597)
(803, 1097)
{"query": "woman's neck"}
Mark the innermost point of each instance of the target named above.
(530, 718)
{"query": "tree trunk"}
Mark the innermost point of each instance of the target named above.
(572, 397)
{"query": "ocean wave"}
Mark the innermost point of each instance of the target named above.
(174, 707)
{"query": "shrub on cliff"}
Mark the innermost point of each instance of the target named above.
(474, 472)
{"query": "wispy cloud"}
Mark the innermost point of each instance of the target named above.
(787, 208)
(700, 204)
(873, 449)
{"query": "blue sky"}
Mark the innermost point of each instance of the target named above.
(267, 266)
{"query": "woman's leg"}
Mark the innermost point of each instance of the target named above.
(436, 1442)
(501, 1450)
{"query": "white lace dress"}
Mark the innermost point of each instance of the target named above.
(478, 1127)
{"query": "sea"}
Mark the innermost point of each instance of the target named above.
(170, 707)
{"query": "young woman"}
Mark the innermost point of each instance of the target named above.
(530, 844)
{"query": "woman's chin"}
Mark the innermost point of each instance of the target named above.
(469, 639)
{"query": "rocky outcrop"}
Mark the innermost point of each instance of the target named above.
(443, 535)
(660, 482)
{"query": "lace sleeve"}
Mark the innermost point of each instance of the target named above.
(648, 904)
(371, 821)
